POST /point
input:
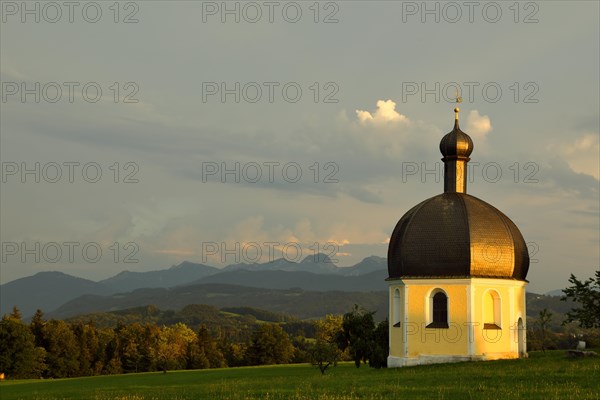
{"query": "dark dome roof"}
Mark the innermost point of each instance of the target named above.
(457, 235)
(456, 143)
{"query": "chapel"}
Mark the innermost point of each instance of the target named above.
(457, 271)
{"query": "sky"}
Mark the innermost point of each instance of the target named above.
(137, 135)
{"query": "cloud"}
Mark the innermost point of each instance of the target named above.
(582, 154)
(386, 112)
(339, 243)
(478, 126)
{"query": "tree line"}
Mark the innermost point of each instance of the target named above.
(59, 349)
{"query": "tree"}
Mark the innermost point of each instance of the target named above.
(588, 295)
(196, 359)
(364, 341)
(149, 347)
(139, 347)
(15, 314)
(109, 361)
(380, 347)
(270, 345)
(19, 357)
(91, 359)
(329, 327)
(234, 353)
(173, 346)
(324, 354)
(325, 351)
(543, 320)
(37, 326)
(131, 343)
(208, 347)
(62, 350)
(357, 334)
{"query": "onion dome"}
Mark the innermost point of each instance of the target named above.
(456, 235)
(456, 143)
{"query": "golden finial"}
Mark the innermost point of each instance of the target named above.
(458, 99)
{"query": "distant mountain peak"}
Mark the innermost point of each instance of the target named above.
(182, 265)
(375, 258)
(318, 258)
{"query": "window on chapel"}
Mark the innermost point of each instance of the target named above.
(491, 310)
(439, 311)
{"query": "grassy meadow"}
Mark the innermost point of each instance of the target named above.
(542, 376)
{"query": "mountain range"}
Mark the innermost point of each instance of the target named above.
(308, 289)
(50, 290)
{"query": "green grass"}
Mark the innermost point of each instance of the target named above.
(542, 376)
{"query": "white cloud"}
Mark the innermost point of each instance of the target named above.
(478, 126)
(383, 137)
(386, 112)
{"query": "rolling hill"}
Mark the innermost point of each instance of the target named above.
(372, 281)
(298, 303)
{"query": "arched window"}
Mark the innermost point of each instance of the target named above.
(439, 310)
(491, 310)
(396, 308)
